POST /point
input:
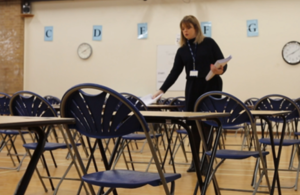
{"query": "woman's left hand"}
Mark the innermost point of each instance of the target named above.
(216, 70)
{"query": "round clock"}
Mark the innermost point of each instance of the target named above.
(291, 52)
(84, 50)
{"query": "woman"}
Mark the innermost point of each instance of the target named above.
(197, 55)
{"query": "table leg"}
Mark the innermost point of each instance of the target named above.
(21, 189)
(78, 158)
(276, 159)
(212, 158)
(169, 139)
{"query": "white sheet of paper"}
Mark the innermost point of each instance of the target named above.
(218, 63)
(147, 99)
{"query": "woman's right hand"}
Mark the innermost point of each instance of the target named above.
(157, 94)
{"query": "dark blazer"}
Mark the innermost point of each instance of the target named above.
(206, 53)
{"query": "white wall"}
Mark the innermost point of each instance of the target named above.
(126, 64)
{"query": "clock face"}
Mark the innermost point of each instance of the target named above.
(84, 50)
(291, 52)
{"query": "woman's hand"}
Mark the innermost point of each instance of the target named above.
(157, 94)
(216, 70)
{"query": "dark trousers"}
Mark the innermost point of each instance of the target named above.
(195, 87)
(196, 136)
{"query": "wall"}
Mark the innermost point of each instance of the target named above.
(126, 64)
(11, 46)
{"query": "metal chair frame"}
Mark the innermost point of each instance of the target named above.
(9, 136)
(69, 109)
(292, 119)
(125, 142)
(26, 103)
(239, 113)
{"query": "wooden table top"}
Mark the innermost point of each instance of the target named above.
(28, 121)
(269, 112)
(183, 115)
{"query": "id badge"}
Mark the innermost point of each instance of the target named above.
(194, 73)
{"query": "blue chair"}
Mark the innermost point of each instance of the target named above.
(181, 133)
(167, 101)
(160, 100)
(244, 128)
(138, 135)
(250, 102)
(52, 99)
(280, 102)
(9, 136)
(55, 102)
(26, 103)
(104, 113)
(240, 114)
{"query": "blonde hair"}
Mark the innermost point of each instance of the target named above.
(187, 21)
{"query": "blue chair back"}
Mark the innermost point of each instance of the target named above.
(106, 114)
(52, 99)
(251, 101)
(278, 102)
(297, 102)
(160, 100)
(180, 100)
(4, 104)
(136, 101)
(26, 103)
(167, 101)
(239, 113)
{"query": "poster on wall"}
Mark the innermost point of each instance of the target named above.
(142, 31)
(206, 28)
(252, 28)
(97, 32)
(48, 33)
(165, 60)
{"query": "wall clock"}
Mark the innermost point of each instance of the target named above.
(291, 52)
(84, 50)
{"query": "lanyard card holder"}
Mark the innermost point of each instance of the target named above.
(194, 73)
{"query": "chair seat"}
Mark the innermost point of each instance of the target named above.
(182, 131)
(239, 126)
(286, 142)
(233, 126)
(127, 178)
(13, 132)
(236, 154)
(135, 136)
(48, 146)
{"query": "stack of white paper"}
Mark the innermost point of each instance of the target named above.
(147, 99)
(218, 63)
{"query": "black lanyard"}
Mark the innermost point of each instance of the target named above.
(192, 53)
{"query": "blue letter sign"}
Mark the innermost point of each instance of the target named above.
(142, 31)
(206, 28)
(252, 28)
(48, 33)
(97, 33)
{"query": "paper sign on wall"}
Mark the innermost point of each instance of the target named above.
(252, 28)
(48, 34)
(97, 33)
(142, 31)
(206, 28)
(165, 61)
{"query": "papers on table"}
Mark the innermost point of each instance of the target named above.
(147, 99)
(218, 64)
